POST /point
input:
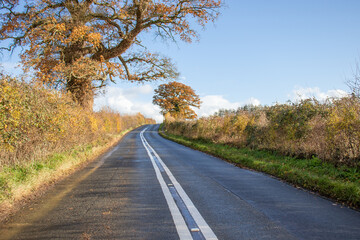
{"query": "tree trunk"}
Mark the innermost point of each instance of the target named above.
(82, 92)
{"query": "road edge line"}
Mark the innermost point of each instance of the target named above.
(178, 219)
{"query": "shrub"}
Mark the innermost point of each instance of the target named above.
(329, 130)
(35, 122)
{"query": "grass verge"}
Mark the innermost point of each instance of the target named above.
(21, 183)
(341, 183)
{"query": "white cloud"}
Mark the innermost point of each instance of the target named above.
(213, 103)
(253, 101)
(139, 99)
(300, 93)
(142, 89)
(130, 101)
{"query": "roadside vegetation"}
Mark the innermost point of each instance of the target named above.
(44, 135)
(310, 144)
(72, 50)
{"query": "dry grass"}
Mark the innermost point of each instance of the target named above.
(330, 131)
(45, 136)
(36, 122)
(341, 183)
(35, 181)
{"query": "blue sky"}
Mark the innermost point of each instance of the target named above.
(258, 51)
(265, 49)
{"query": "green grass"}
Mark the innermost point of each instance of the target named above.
(13, 176)
(340, 183)
(31, 174)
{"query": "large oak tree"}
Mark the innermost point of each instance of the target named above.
(81, 45)
(176, 99)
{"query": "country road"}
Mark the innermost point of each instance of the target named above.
(148, 187)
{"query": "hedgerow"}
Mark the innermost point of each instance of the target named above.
(328, 130)
(36, 122)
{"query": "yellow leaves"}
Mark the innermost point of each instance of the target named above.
(10, 113)
(345, 116)
(119, 125)
(93, 124)
(241, 121)
(94, 39)
(60, 27)
(55, 28)
(78, 33)
(83, 33)
(33, 118)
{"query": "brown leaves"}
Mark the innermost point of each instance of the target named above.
(177, 98)
(93, 40)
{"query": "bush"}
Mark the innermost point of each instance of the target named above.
(329, 130)
(35, 122)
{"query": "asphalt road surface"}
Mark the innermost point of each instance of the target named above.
(150, 188)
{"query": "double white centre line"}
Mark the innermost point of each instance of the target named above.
(188, 221)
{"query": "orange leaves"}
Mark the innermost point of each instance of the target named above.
(84, 34)
(174, 16)
(112, 69)
(93, 40)
(63, 34)
(78, 33)
(176, 99)
(163, 9)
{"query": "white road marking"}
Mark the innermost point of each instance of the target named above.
(200, 221)
(179, 221)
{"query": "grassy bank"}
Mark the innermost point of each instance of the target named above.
(36, 122)
(341, 183)
(329, 130)
(45, 135)
(23, 182)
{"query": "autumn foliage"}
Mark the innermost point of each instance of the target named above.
(36, 122)
(176, 99)
(330, 130)
(81, 45)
